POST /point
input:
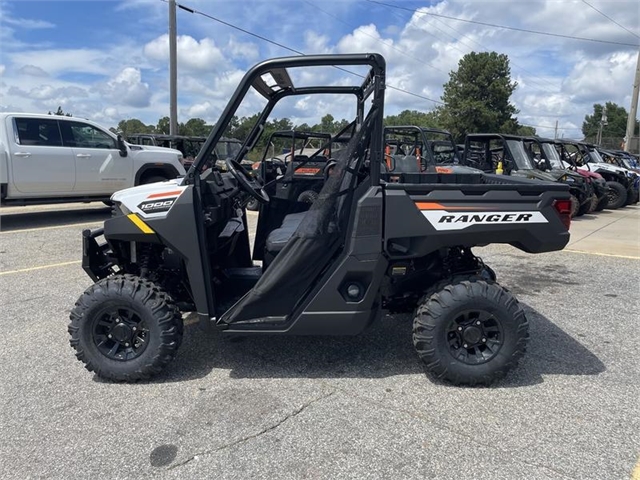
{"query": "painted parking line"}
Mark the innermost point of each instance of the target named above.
(40, 267)
(37, 229)
(635, 474)
(601, 254)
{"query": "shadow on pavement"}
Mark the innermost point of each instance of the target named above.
(51, 218)
(383, 351)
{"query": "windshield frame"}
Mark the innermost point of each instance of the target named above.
(519, 154)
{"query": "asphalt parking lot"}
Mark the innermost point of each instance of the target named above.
(357, 407)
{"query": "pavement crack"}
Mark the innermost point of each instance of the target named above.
(247, 438)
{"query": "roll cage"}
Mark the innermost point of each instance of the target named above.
(272, 80)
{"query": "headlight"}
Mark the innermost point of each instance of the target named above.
(567, 179)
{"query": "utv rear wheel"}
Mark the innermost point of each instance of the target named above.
(575, 206)
(471, 332)
(308, 196)
(617, 195)
(125, 328)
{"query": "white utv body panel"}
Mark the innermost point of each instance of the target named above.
(50, 158)
(149, 201)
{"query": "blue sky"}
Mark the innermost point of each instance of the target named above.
(107, 60)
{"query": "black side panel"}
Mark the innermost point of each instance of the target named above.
(418, 223)
(179, 232)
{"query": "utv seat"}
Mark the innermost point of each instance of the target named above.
(279, 237)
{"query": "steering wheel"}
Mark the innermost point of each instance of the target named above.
(252, 185)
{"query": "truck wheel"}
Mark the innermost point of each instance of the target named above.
(308, 196)
(125, 328)
(617, 195)
(153, 179)
(471, 332)
(575, 206)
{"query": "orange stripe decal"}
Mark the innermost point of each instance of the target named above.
(165, 194)
(438, 206)
(429, 206)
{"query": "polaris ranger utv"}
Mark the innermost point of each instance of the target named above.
(411, 149)
(305, 161)
(588, 191)
(587, 158)
(496, 152)
(365, 247)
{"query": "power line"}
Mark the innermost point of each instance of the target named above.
(293, 50)
(608, 17)
(541, 87)
(504, 26)
(388, 44)
(550, 127)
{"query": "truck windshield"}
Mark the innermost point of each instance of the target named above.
(519, 155)
(552, 154)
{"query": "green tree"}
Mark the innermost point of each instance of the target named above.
(60, 112)
(477, 96)
(133, 125)
(163, 126)
(414, 118)
(195, 127)
(616, 121)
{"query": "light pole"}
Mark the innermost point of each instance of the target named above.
(173, 71)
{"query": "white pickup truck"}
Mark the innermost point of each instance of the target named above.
(55, 159)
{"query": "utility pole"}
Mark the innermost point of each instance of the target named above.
(603, 122)
(555, 132)
(633, 111)
(173, 71)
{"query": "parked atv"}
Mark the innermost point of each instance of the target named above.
(508, 154)
(304, 156)
(364, 248)
(550, 160)
(623, 160)
(587, 158)
(411, 149)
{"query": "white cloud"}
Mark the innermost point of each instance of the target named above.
(2, 69)
(33, 71)
(127, 88)
(192, 54)
(26, 23)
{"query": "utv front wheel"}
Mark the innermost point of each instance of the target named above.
(617, 195)
(125, 328)
(471, 332)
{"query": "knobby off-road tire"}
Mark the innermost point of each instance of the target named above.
(584, 208)
(593, 204)
(631, 196)
(125, 328)
(308, 196)
(602, 203)
(617, 195)
(447, 319)
(575, 206)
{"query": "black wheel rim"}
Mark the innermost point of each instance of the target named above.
(613, 196)
(120, 334)
(474, 337)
